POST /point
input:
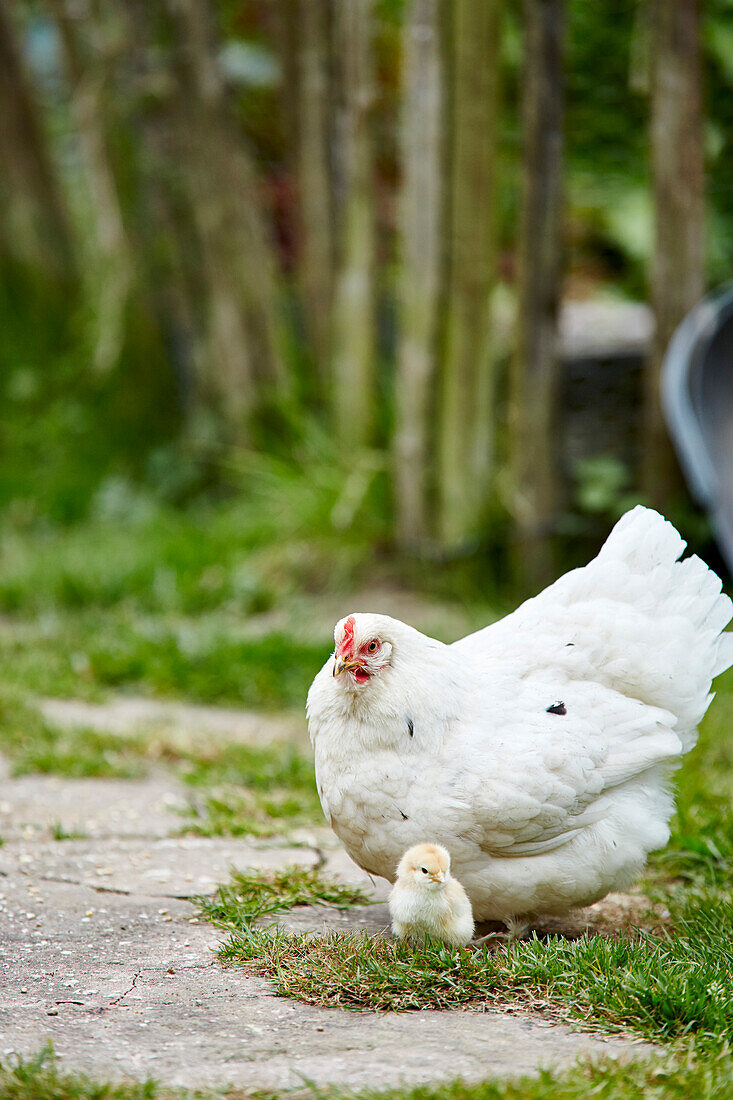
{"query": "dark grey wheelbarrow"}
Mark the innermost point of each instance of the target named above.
(697, 395)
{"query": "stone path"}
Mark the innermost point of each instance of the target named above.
(187, 722)
(101, 953)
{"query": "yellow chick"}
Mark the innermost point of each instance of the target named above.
(425, 900)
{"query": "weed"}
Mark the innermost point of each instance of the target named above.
(251, 896)
(58, 832)
(675, 1077)
(251, 790)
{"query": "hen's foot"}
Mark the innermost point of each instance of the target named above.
(490, 937)
(516, 929)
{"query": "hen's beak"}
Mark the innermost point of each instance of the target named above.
(340, 665)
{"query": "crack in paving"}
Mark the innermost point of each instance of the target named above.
(321, 858)
(99, 889)
(90, 886)
(122, 996)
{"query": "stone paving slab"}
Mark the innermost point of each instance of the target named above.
(172, 867)
(102, 955)
(127, 985)
(33, 805)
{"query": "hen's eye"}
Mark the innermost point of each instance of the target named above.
(424, 870)
(373, 646)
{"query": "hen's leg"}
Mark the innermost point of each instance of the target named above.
(516, 929)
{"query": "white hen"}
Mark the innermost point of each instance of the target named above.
(539, 751)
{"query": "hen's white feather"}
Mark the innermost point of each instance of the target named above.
(539, 810)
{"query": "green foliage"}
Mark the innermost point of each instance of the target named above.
(718, 46)
(58, 832)
(701, 848)
(65, 428)
(234, 812)
(606, 107)
(79, 443)
(83, 655)
(603, 486)
(240, 556)
(239, 789)
(273, 671)
(280, 765)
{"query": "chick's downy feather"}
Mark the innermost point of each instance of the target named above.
(427, 900)
(538, 751)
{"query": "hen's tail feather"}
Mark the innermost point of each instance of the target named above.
(636, 620)
(647, 547)
(650, 546)
(643, 538)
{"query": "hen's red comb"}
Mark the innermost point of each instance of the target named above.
(348, 643)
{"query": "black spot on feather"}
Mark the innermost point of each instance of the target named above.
(404, 816)
(557, 708)
(410, 727)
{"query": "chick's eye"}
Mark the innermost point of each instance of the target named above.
(424, 870)
(373, 646)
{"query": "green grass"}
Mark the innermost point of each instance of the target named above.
(677, 1078)
(58, 832)
(255, 895)
(671, 1078)
(86, 655)
(233, 812)
(41, 1078)
(161, 605)
(663, 988)
(246, 790)
(144, 596)
(701, 847)
(307, 525)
